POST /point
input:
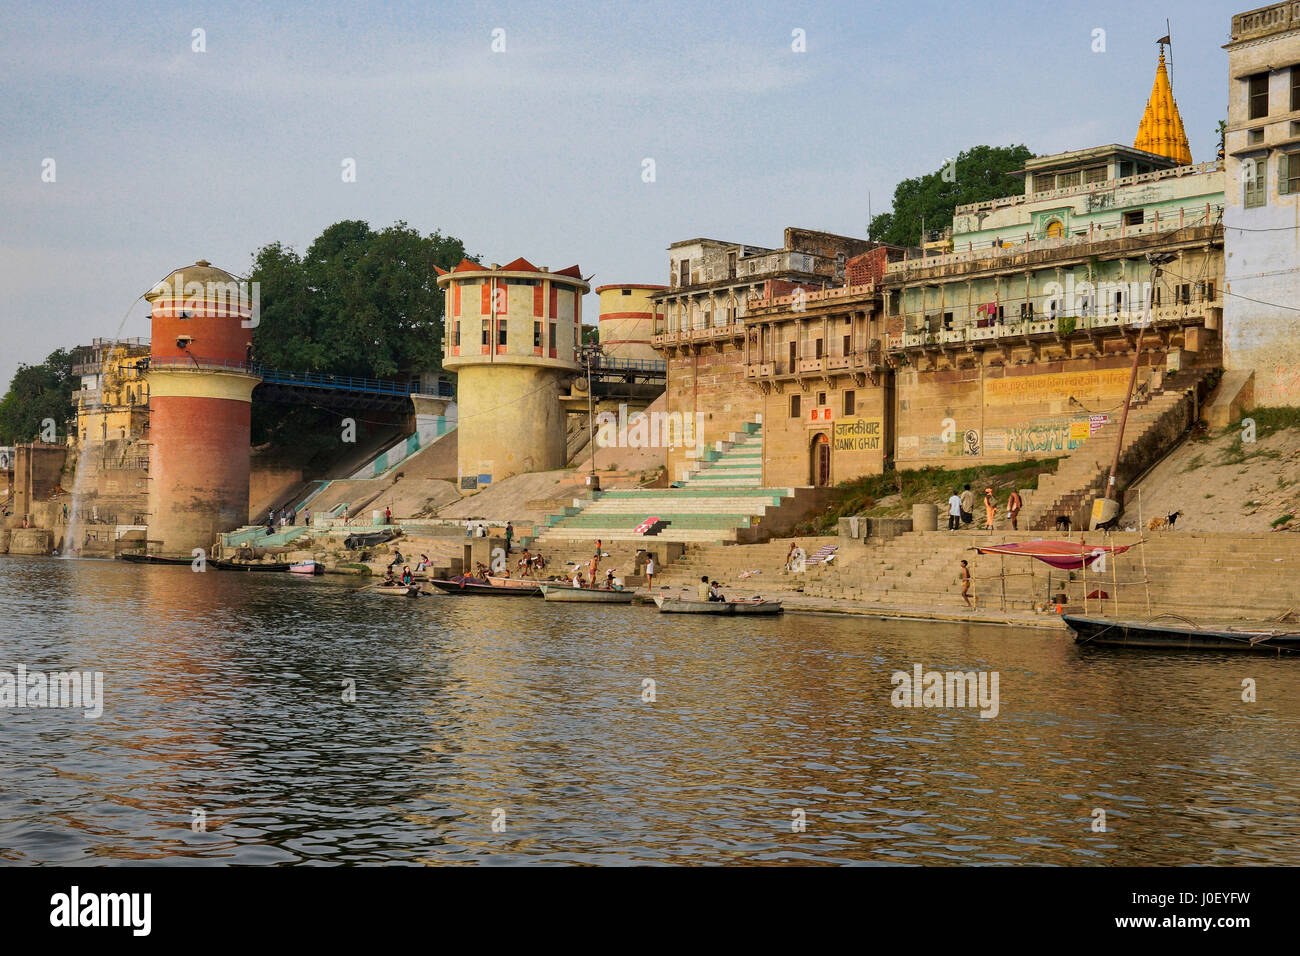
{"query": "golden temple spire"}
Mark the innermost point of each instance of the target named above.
(1161, 130)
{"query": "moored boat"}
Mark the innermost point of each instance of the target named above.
(250, 565)
(1183, 635)
(307, 567)
(567, 592)
(517, 584)
(398, 590)
(151, 559)
(669, 604)
(463, 584)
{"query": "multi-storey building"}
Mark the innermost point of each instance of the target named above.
(704, 314)
(1262, 146)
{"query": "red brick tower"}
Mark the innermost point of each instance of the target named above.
(200, 395)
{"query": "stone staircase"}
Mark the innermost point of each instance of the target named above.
(726, 564)
(723, 500)
(1153, 426)
(1202, 576)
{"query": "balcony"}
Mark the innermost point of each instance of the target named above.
(1186, 313)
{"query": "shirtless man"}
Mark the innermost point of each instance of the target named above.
(965, 584)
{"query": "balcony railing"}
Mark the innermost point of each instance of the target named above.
(1175, 314)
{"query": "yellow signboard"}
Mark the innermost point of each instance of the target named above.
(1054, 387)
(858, 434)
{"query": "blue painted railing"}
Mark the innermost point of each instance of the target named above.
(276, 376)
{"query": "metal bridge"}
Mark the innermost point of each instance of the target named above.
(283, 386)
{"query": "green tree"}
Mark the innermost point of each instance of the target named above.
(38, 392)
(359, 302)
(977, 174)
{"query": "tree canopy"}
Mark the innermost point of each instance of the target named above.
(359, 302)
(37, 392)
(979, 173)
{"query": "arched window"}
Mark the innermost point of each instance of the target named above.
(1055, 229)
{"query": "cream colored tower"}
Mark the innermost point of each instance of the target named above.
(512, 334)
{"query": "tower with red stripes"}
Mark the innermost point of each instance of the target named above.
(200, 397)
(512, 337)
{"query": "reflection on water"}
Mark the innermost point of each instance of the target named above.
(225, 693)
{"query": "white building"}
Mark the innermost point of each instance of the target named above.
(1262, 215)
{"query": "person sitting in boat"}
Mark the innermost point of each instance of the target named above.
(525, 561)
(702, 589)
(715, 592)
(505, 573)
(389, 580)
(609, 580)
(577, 578)
(539, 563)
(407, 576)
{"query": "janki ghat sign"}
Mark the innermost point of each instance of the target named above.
(6, 458)
(858, 434)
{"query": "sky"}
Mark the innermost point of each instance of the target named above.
(164, 154)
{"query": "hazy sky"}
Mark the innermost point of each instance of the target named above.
(164, 155)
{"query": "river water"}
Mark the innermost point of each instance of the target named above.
(500, 731)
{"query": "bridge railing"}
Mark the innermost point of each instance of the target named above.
(276, 376)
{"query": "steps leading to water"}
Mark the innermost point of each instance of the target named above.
(722, 499)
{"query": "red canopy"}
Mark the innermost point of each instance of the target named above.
(1065, 555)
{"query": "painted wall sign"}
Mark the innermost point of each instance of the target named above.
(858, 434)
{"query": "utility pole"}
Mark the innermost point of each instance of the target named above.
(591, 352)
(1107, 508)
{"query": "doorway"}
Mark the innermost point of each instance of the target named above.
(821, 460)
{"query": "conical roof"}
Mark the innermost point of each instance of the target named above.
(1161, 130)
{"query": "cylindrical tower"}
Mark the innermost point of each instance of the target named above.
(627, 320)
(512, 334)
(200, 395)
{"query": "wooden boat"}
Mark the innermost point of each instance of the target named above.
(1183, 635)
(567, 592)
(756, 606)
(668, 604)
(307, 567)
(468, 585)
(398, 590)
(152, 559)
(517, 584)
(250, 565)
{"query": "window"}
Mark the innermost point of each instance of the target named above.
(818, 354)
(1043, 182)
(1094, 174)
(1257, 95)
(795, 410)
(550, 342)
(1027, 310)
(684, 268)
(501, 333)
(1255, 182)
(848, 345)
(1135, 218)
(1288, 174)
(487, 334)
(625, 292)
(731, 265)
(821, 399)
(1295, 88)
(794, 352)
(1068, 180)
(537, 335)
(1184, 293)
(850, 403)
(1254, 136)
(455, 334)
(1055, 229)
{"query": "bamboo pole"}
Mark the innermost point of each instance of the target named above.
(1114, 577)
(1142, 550)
